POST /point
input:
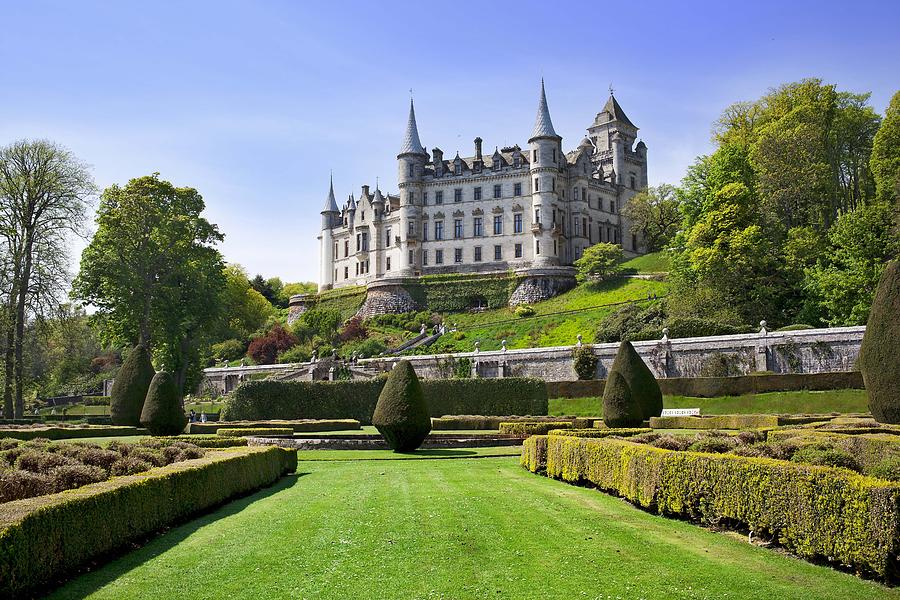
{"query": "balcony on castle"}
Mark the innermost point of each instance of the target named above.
(536, 228)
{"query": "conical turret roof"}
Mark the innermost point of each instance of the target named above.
(379, 197)
(351, 203)
(411, 143)
(330, 204)
(543, 126)
(615, 111)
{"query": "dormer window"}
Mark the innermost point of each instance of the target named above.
(517, 161)
(457, 168)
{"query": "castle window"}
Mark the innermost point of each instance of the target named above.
(537, 215)
(476, 194)
(357, 268)
(346, 272)
(424, 258)
(387, 263)
(537, 184)
(584, 228)
(517, 223)
(457, 228)
(498, 224)
(576, 224)
(534, 156)
(425, 198)
(497, 190)
(537, 246)
(553, 184)
(516, 161)
(346, 248)
(554, 156)
(615, 236)
(477, 254)
(498, 252)
(411, 169)
(438, 230)
(358, 242)
(457, 195)
(583, 194)
(425, 233)
(412, 258)
(365, 242)
(438, 257)
(633, 183)
(612, 206)
(517, 189)
(387, 237)
(458, 168)
(439, 197)
(555, 248)
(477, 229)
(335, 274)
(518, 250)
(363, 215)
(411, 228)
(457, 255)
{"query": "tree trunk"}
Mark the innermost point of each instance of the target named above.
(20, 324)
(9, 359)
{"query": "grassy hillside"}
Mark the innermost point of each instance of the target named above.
(657, 262)
(551, 325)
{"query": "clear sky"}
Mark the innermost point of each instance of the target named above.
(253, 103)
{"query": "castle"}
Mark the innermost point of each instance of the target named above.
(531, 211)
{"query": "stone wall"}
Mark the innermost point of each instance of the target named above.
(542, 284)
(384, 299)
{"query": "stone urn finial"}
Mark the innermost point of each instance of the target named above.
(477, 347)
(503, 346)
(762, 328)
(665, 336)
(579, 344)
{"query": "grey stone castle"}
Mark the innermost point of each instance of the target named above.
(529, 210)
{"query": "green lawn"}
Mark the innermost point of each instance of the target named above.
(490, 327)
(797, 402)
(468, 528)
(656, 262)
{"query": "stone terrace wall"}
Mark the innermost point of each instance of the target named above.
(806, 351)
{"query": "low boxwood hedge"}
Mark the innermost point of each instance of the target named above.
(253, 431)
(206, 441)
(818, 512)
(869, 449)
(596, 432)
(715, 422)
(526, 428)
(71, 433)
(46, 538)
(302, 426)
(292, 400)
(448, 422)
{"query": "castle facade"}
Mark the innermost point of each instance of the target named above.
(531, 210)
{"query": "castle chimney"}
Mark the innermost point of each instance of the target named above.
(478, 141)
(438, 159)
(365, 191)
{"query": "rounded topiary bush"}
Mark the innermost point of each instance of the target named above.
(584, 362)
(130, 388)
(879, 357)
(163, 413)
(620, 408)
(401, 415)
(641, 382)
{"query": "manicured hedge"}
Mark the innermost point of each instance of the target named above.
(533, 428)
(596, 432)
(715, 422)
(46, 538)
(491, 422)
(267, 399)
(253, 431)
(303, 426)
(71, 433)
(869, 449)
(818, 512)
(206, 441)
(710, 387)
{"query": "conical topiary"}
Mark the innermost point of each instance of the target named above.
(163, 413)
(640, 379)
(130, 388)
(620, 408)
(879, 355)
(401, 414)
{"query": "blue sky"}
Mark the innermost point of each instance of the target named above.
(253, 103)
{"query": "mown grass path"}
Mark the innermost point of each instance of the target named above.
(464, 528)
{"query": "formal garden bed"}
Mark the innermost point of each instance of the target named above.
(824, 495)
(48, 537)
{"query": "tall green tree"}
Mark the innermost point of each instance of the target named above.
(654, 215)
(45, 194)
(245, 309)
(153, 272)
(885, 161)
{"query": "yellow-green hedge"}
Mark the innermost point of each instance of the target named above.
(206, 441)
(303, 425)
(45, 538)
(486, 422)
(715, 422)
(253, 431)
(869, 449)
(818, 512)
(534, 454)
(71, 433)
(596, 432)
(533, 427)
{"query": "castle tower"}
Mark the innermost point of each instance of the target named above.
(330, 216)
(546, 156)
(410, 172)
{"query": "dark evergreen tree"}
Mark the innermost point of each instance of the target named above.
(620, 408)
(640, 380)
(401, 414)
(130, 388)
(163, 412)
(879, 357)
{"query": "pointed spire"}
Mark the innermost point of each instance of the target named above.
(615, 111)
(411, 143)
(543, 126)
(351, 203)
(330, 204)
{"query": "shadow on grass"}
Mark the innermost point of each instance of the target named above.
(109, 568)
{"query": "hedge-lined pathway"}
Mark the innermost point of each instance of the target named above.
(466, 528)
